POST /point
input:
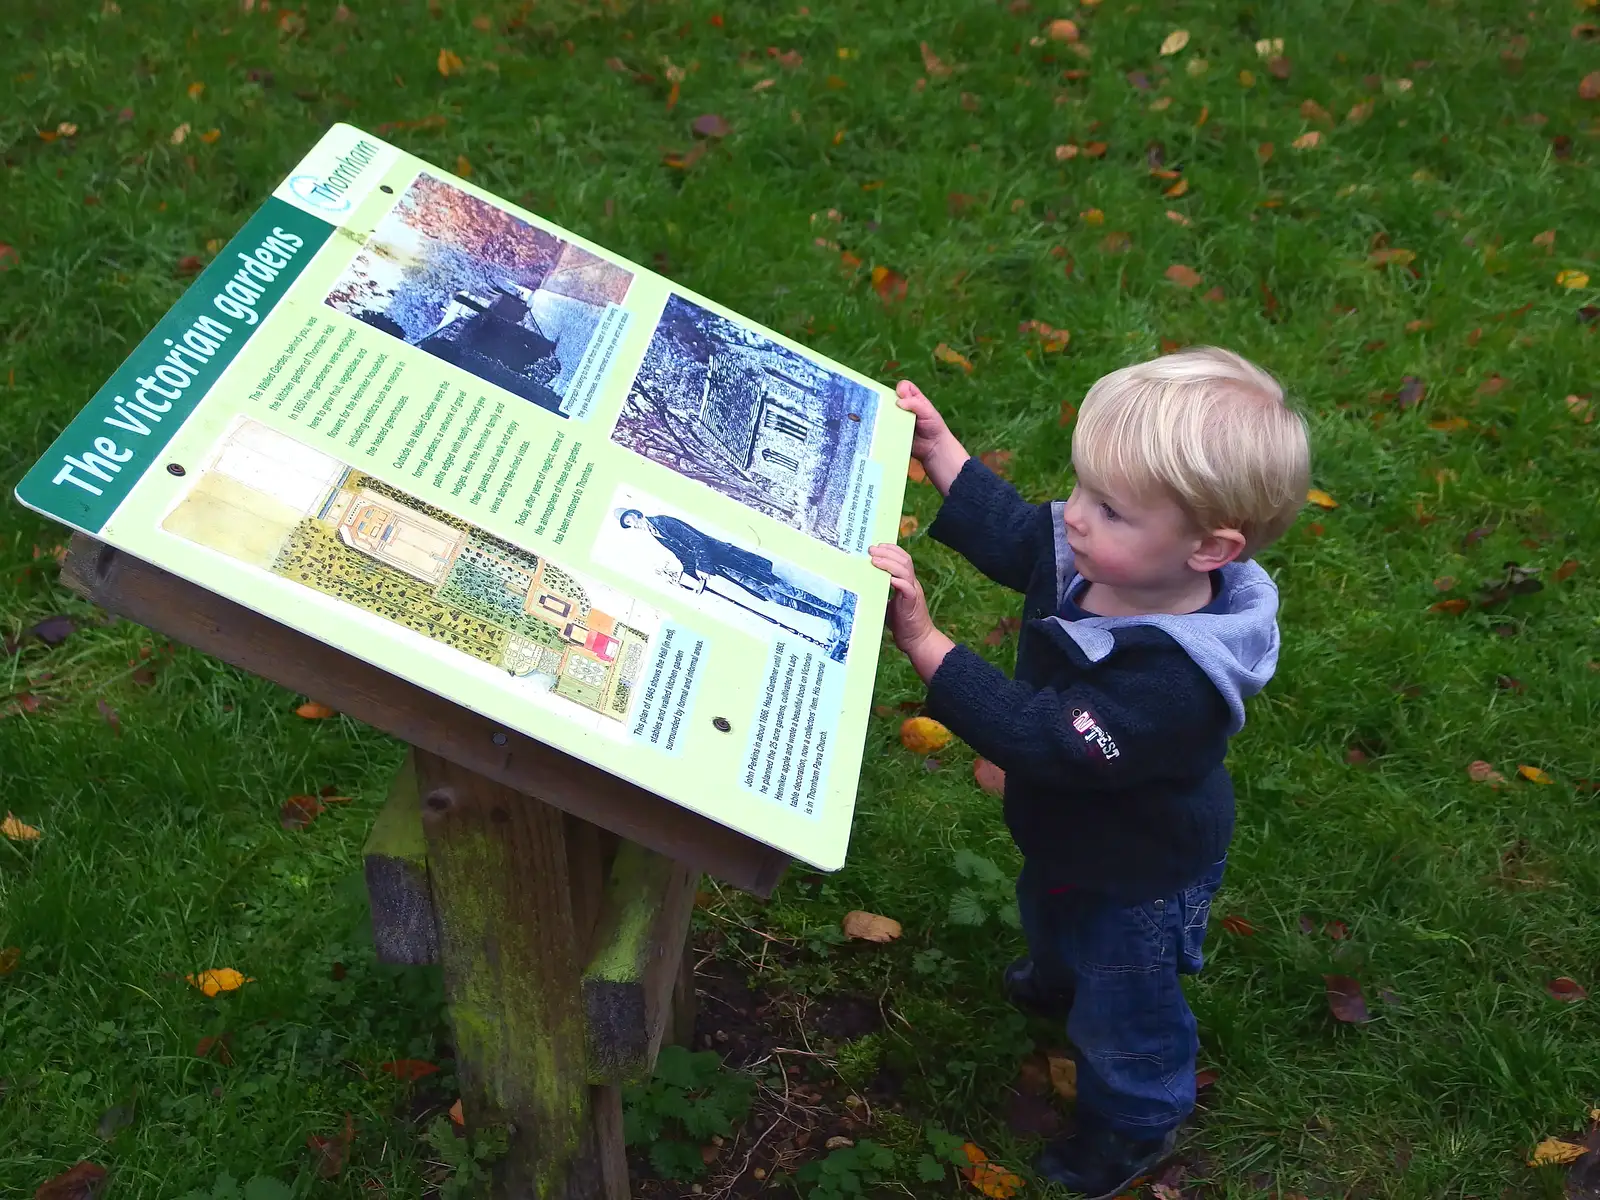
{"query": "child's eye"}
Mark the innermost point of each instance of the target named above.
(1109, 513)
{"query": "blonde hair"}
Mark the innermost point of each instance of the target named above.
(1208, 428)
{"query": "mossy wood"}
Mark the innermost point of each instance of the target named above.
(404, 928)
(188, 613)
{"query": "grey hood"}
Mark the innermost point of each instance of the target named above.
(1237, 649)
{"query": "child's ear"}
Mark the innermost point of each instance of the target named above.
(1217, 549)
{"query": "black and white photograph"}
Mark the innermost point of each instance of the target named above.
(664, 548)
(483, 290)
(721, 404)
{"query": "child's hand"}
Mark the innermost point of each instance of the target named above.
(910, 623)
(932, 443)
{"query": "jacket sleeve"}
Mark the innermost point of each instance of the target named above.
(1150, 718)
(986, 522)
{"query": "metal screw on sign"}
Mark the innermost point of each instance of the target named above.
(722, 723)
(386, 189)
(175, 469)
(499, 739)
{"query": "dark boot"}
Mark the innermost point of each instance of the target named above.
(1025, 990)
(1100, 1163)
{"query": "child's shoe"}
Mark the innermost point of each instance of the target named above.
(1025, 990)
(1100, 1163)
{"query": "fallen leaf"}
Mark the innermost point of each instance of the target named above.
(986, 1177)
(1392, 254)
(1455, 607)
(1308, 140)
(1411, 392)
(946, 355)
(1214, 296)
(217, 980)
(1184, 277)
(408, 1069)
(1553, 1152)
(711, 125)
(1345, 1000)
(17, 831)
(1161, 104)
(1418, 326)
(190, 264)
(215, 1046)
(1547, 239)
(1096, 149)
(869, 927)
(1267, 47)
(924, 735)
(1572, 279)
(210, 136)
(463, 166)
(1178, 217)
(1337, 930)
(196, 90)
(1067, 151)
(456, 1114)
(932, 63)
(331, 1152)
(1174, 41)
(1177, 189)
(1264, 151)
(449, 63)
(1206, 1078)
(1568, 991)
(1482, 772)
(1063, 1076)
(1062, 30)
(8, 256)
(989, 777)
(916, 472)
(1444, 583)
(311, 710)
(1238, 926)
(299, 811)
(1589, 86)
(1359, 112)
(1005, 627)
(10, 956)
(1279, 66)
(1565, 571)
(82, 1182)
(1534, 775)
(1321, 498)
(909, 525)
(998, 461)
(1450, 424)
(889, 284)
(1092, 216)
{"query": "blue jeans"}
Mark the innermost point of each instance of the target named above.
(1133, 1035)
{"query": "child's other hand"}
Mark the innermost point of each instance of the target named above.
(908, 617)
(932, 443)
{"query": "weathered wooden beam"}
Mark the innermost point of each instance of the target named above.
(629, 983)
(396, 859)
(188, 613)
(512, 948)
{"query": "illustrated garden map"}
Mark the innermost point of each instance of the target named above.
(473, 449)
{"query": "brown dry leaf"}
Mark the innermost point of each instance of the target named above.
(1214, 296)
(1345, 1000)
(1003, 629)
(1481, 772)
(1321, 498)
(869, 927)
(1062, 31)
(889, 284)
(1579, 407)
(924, 735)
(989, 777)
(311, 710)
(1450, 424)
(1067, 151)
(1568, 991)
(1177, 189)
(1312, 111)
(1178, 217)
(210, 136)
(1553, 1152)
(299, 811)
(1359, 112)
(1264, 151)
(1064, 1076)
(1095, 149)
(1238, 925)
(1307, 141)
(1385, 255)
(407, 1070)
(456, 1114)
(1534, 775)
(331, 1152)
(1565, 571)
(932, 63)
(1589, 86)
(1174, 41)
(81, 1182)
(1454, 607)
(217, 1047)
(986, 1177)
(946, 355)
(909, 525)
(1547, 239)
(998, 461)
(916, 472)
(463, 166)
(711, 125)
(17, 831)
(450, 63)
(10, 956)
(1184, 277)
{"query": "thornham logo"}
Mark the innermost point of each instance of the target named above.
(328, 193)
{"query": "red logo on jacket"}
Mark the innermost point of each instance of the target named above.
(1084, 722)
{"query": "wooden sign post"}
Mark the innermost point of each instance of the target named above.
(555, 897)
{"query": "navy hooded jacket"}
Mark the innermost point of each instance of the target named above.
(1114, 731)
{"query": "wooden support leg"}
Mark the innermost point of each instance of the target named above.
(514, 937)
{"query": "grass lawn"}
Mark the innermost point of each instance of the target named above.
(1379, 216)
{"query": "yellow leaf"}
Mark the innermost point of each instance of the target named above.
(463, 166)
(1092, 216)
(869, 927)
(17, 831)
(946, 355)
(449, 63)
(986, 1177)
(1450, 424)
(210, 136)
(456, 1114)
(311, 710)
(1062, 31)
(1064, 1076)
(1178, 188)
(1307, 140)
(1247, 79)
(1534, 775)
(196, 90)
(218, 980)
(1174, 41)
(1553, 1152)
(1321, 498)
(178, 134)
(924, 735)
(1572, 279)
(909, 525)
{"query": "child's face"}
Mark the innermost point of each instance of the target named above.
(1124, 540)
